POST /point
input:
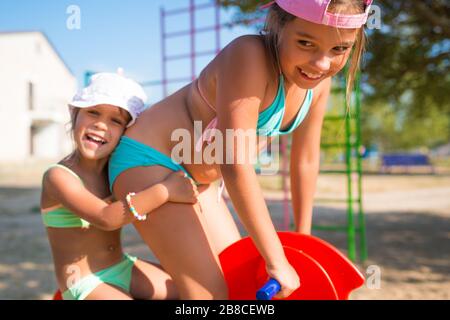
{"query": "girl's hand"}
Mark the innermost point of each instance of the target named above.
(181, 188)
(286, 275)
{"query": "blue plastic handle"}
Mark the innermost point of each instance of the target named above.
(271, 288)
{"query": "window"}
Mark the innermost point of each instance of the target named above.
(33, 131)
(30, 96)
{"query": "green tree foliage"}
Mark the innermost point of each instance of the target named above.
(399, 130)
(407, 61)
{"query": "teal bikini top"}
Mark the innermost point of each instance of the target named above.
(60, 217)
(269, 120)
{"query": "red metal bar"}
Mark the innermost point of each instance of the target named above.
(285, 164)
(188, 32)
(175, 80)
(192, 16)
(209, 28)
(217, 27)
(194, 7)
(188, 55)
(191, 32)
(163, 52)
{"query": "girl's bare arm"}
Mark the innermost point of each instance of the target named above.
(305, 159)
(240, 89)
(68, 191)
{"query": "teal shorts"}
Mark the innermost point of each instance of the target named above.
(118, 275)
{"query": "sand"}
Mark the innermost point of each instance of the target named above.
(408, 236)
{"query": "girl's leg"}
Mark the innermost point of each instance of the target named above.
(176, 233)
(220, 224)
(150, 282)
(106, 291)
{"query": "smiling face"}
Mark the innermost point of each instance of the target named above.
(310, 52)
(97, 130)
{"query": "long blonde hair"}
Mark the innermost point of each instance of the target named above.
(277, 19)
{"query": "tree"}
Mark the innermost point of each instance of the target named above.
(408, 58)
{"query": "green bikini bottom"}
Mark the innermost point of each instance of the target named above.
(118, 275)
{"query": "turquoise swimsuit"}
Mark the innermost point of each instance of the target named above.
(269, 120)
(131, 153)
(118, 274)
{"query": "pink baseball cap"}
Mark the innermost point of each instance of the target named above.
(316, 11)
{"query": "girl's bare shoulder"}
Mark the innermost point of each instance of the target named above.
(247, 47)
(56, 179)
(244, 54)
(249, 41)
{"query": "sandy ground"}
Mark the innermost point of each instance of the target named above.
(408, 235)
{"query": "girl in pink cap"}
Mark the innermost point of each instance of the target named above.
(83, 221)
(266, 85)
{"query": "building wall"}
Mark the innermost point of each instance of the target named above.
(29, 58)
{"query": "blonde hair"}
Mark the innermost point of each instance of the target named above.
(277, 19)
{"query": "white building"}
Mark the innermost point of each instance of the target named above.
(35, 86)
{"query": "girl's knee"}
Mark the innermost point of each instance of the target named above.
(221, 291)
(216, 290)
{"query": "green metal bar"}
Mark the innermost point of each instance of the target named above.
(335, 90)
(353, 165)
(361, 219)
(330, 228)
(339, 145)
(329, 200)
(350, 222)
(285, 170)
(339, 117)
(258, 170)
(337, 171)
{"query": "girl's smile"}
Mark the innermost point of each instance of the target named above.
(310, 76)
(98, 130)
(93, 140)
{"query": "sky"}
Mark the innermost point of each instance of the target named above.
(117, 34)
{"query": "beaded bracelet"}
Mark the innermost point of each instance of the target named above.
(133, 209)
